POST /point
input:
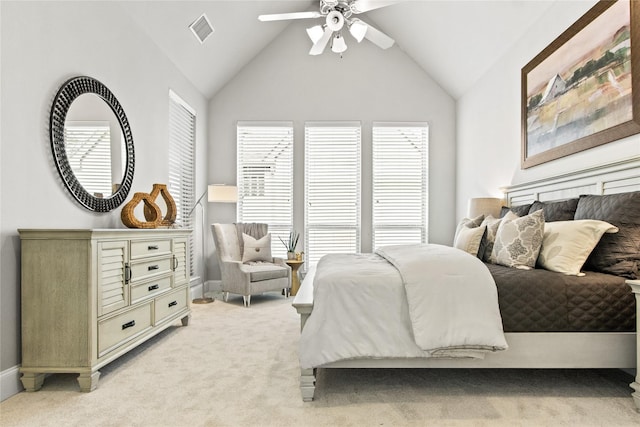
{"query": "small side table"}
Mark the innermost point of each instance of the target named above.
(295, 281)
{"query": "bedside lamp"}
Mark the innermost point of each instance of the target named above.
(484, 205)
(216, 193)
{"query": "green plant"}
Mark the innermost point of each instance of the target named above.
(293, 241)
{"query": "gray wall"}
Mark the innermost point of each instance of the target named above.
(367, 84)
(489, 119)
(43, 44)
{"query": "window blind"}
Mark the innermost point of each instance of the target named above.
(332, 189)
(400, 182)
(182, 141)
(265, 177)
(88, 148)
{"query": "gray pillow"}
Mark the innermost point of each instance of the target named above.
(563, 210)
(617, 253)
(520, 210)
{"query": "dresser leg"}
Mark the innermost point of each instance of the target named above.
(636, 396)
(32, 381)
(88, 381)
(185, 320)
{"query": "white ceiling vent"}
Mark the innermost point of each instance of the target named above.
(201, 28)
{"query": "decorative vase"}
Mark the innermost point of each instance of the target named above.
(291, 255)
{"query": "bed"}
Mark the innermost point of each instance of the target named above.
(590, 323)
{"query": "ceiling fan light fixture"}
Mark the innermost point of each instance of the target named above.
(358, 29)
(335, 20)
(338, 45)
(315, 33)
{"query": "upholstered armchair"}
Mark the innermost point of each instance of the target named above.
(249, 277)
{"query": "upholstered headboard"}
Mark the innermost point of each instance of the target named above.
(619, 177)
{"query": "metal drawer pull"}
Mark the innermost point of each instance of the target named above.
(153, 267)
(172, 303)
(152, 247)
(129, 325)
(153, 288)
(127, 273)
(175, 263)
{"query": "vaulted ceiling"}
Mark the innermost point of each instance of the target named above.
(454, 41)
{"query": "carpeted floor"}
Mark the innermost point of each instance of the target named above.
(234, 366)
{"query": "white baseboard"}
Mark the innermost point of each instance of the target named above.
(210, 286)
(10, 382)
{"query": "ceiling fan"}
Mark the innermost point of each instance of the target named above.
(337, 14)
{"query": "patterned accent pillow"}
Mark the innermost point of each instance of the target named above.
(468, 239)
(518, 240)
(567, 244)
(256, 249)
(489, 238)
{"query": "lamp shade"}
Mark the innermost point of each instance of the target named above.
(223, 193)
(358, 29)
(338, 45)
(315, 33)
(484, 205)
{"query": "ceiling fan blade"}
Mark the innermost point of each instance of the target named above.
(378, 38)
(318, 47)
(361, 6)
(293, 15)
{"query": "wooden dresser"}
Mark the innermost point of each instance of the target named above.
(89, 296)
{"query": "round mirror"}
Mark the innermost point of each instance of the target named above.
(92, 144)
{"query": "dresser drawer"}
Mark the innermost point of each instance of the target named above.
(149, 248)
(150, 269)
(167, 305)
(117, 330)
(149, 289)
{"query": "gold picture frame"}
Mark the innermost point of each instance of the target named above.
(583, 90)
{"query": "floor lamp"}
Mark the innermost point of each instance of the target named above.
(217, 193)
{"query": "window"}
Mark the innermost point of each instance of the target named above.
(265, 177)
(182, 141)
(400, 175)
(332, 189)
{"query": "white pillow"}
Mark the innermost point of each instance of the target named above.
(467, 222)
(256, 250)
(468, 239)
(566, 245)
(518, 240)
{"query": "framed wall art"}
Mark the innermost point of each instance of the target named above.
(583, 90)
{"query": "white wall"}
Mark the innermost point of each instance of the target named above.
(367, 84)
(488, 119)
(43, 44)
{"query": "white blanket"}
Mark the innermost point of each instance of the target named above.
(369, 305)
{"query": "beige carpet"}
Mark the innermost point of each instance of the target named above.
(234, 366)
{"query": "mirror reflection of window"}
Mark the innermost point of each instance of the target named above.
(88, 146)
(95, 145)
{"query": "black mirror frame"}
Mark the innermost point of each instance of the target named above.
(68, 92)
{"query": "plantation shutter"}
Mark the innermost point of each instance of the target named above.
(400, 183)
(265, 178)
(182, 141)
(88, 148)
(332, 189)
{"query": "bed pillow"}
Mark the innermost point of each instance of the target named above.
(467, 222)
(518, 240)
(256, 249)
(486, 246)
(563, 210)
(617, 253)
(468, 239)
(566, 245)
(520, 210)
